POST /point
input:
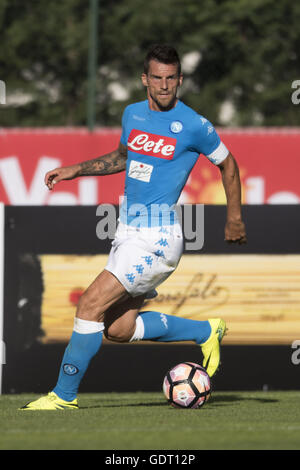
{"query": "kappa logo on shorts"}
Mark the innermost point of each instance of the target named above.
(162, 242)
(153, 145)
(130, 277)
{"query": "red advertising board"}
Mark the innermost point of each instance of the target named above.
(269, 162)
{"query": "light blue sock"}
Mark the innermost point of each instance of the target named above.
(85, 342)
(161, 327)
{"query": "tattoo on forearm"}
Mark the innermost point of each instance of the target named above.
(108, 164)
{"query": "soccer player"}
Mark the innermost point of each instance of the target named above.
(160, 144)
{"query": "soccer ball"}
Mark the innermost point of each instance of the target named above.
(187, 385)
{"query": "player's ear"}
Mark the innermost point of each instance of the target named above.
(144, 79)
(180, 79)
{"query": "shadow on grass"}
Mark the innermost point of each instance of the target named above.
(219, 400)
(122, 405)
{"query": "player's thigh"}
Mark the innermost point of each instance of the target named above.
(119, 320)
(105, 291)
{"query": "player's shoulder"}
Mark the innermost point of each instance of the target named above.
(197, 122)
(201, 133)
(134, 109)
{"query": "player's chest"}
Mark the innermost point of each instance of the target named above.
(165, 142)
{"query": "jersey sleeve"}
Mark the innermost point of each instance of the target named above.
(124, 136)
(208, 142)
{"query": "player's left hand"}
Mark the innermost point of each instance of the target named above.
(235, 232)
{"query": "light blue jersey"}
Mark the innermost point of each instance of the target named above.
(163, 148)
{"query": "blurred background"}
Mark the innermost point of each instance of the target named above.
(239, 58)
(69, 68)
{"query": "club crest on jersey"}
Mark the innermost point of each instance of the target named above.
(153, 145)
(176, 127)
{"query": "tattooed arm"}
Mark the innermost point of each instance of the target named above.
(108, 164)
(112, 162)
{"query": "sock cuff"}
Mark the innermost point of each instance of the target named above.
(139, 329)
(86, 327)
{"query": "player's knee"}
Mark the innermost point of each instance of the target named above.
(84, 304)
(88, 308)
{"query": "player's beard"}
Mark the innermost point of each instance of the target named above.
(164, 106)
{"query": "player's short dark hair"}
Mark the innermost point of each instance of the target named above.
(163, 53)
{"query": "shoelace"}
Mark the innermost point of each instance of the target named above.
(51, 397)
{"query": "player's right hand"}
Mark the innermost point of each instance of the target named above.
(58, 174)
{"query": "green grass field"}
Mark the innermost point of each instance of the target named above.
(142, 421)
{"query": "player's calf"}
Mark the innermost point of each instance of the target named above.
(121, 330)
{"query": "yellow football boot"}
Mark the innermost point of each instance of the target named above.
(51, 402)
(211, 347)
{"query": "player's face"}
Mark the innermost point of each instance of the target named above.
(162, 82)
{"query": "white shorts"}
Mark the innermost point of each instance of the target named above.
(142, 258)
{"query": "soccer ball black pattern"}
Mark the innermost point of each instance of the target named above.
(187, 385)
